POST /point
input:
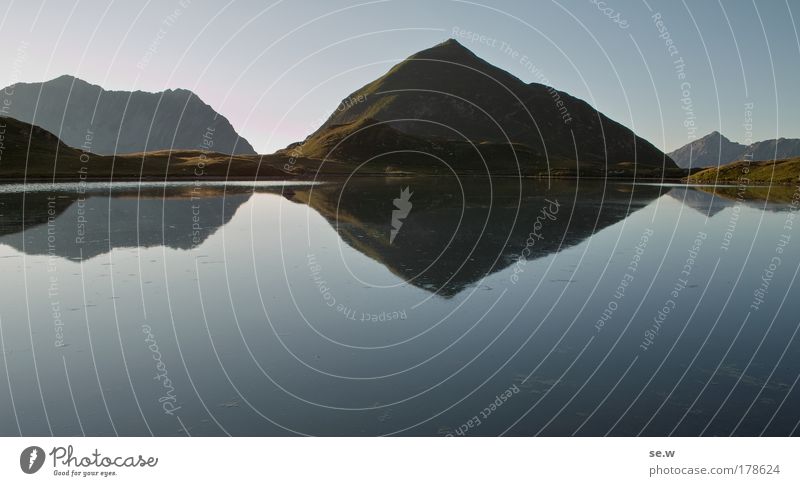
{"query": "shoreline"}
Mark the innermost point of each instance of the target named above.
(310, 177)
(326, 177)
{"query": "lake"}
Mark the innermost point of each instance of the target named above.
(397, 306)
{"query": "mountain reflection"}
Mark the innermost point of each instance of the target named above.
(456, 232)
(710, 200)
(459, 231)
(72, 225)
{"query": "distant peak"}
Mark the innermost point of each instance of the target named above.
(65, 81)
(715, 134)
(66, 78)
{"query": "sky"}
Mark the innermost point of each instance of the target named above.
(670, 70)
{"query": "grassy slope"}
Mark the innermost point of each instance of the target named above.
(32, 152)
(28, 151)
(770, 172)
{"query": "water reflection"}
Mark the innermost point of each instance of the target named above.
(459, 231)
(78, 223)
(239, 310)
(709, 201)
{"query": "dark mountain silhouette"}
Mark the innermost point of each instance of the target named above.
(22, 141)
(107, 122)
(715, 149)
(447, 102)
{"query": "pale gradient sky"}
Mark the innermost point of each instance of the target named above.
(277, 69)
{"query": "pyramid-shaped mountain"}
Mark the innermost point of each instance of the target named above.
(84, 115)
(709, 151)
(449, 103)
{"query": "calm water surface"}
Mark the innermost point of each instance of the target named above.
(510, 307)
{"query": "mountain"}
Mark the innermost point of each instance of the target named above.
(109, 122)
(782, 148)
(715, 149)
(33, 153)
(445, 102)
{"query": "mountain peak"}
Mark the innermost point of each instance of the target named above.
(451, 42)
(68, 78)
(716, 134)
(450, 49)
(64, 77)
